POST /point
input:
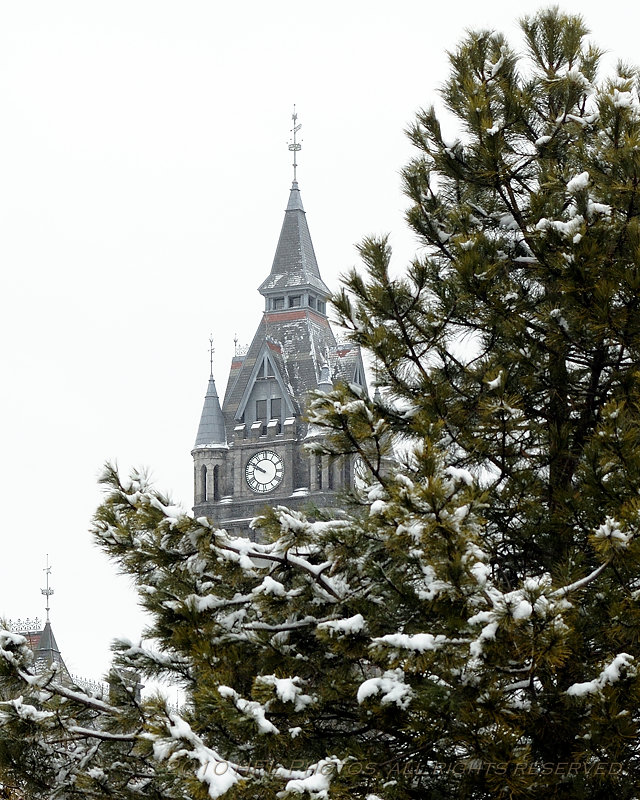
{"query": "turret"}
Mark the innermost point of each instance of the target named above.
(210, 452)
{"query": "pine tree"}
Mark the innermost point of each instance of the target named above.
(468, 626)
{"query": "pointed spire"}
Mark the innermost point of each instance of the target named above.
(45, 648)
(295, 261)
(211, 431)
(47, 651)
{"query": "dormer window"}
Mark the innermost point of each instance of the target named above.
(269, 409)
(266, 369)
(277, 303)
(265, 397)
(312, 302)
(295, 301)
(322, 307)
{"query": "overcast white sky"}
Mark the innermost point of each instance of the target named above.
(144, 173)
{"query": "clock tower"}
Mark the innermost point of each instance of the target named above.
(249, 451)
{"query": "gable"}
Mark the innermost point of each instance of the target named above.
(266, 384)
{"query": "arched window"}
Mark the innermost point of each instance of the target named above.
(216, 483)
(203, 483)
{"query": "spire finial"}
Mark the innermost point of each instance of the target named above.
(47, 592)
(295, 146)
(211, 352)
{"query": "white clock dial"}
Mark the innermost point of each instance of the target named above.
(264, 471)
(360, 475)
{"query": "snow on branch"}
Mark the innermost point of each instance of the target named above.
(249, 708)
(390, 686)
(621, 666)
(95, 733)
(572, 587)
(317, 780)
(251, 554)
(24, 711)
(62, 691)
(217, 773)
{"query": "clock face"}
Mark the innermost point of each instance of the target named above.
(360, 475)
(264, 471)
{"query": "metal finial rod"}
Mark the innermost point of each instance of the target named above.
(295, 146)
(211, 352)
(235, 344)
(48, 591)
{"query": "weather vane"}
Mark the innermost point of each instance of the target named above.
(211, 352)
(295, 146)
(47, 592)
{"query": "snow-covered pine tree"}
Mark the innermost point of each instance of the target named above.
(469, 626)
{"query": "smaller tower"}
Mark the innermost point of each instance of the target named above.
(43, 643)
(210, 451)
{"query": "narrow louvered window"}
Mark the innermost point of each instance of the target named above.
(203, 484)
(216, 483)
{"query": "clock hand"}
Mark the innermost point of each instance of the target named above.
(255, 466)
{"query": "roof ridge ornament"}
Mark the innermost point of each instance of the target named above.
(212, 350)
(295, 146)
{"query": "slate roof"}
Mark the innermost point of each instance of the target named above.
(344, 360)
(45, 649)
(300, 339)
(295, 261)
(211, 430)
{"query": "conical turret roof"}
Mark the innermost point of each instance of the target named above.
(295, 261)
(211, 431)
(46, 650)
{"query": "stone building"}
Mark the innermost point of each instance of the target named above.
(249, 451)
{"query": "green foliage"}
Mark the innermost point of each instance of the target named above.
(467, 627)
